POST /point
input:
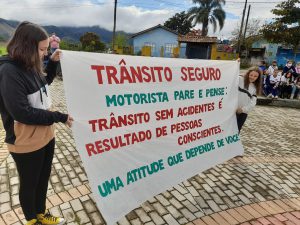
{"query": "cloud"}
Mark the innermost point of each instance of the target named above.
(84, 13)
(130, 18)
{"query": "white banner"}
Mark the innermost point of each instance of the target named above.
(143, 125)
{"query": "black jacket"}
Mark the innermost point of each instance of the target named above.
(24, 97)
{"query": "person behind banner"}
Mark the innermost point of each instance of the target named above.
(54, 42)
(27, 116)
(249, 87)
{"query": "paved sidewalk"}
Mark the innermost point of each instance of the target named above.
(263, 187)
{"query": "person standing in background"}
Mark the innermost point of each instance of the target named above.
(54, 42)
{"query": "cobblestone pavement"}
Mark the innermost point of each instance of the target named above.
(263, 187)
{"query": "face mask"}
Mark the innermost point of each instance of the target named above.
(289, 64)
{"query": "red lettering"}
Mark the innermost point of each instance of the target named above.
(106, 144)
(191, 73)
(185, 76)
(124, 75)
(147, 77)
(99, 74)
(136, 74)
(159, 69)
(102, 124)
(93, 123)
(90, 149)
(99, 146)
(200, 73)
(111, 74)
(212, 73)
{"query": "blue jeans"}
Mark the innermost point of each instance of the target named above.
(274, 90)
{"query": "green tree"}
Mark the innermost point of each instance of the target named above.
(180, 22)
(208, 12)
(285, 27)
(121, 40)
(91, 42)
(70, 45)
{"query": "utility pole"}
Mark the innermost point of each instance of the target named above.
(114, 30)
(241, 29)
(249, 7)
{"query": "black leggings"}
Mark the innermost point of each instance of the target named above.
(241, 118)
(34, 170)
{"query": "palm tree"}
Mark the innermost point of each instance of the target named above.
(209, 11)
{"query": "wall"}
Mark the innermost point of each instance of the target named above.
(271, 49)
(283, 55)
(222, 55)
(127, 50)
(158, 38)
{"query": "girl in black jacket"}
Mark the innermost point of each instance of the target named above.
(28, 119)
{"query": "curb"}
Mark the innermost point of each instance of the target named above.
(291, 103)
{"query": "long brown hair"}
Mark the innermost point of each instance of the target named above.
(258, 81)
(23, 46)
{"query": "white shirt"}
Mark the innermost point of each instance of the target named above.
(271, 69)
(274, 80)
(246, 98)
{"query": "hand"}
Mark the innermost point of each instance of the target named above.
(55, 55)
(239, 111)
(69, 121)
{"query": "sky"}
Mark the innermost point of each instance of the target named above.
(132, 15)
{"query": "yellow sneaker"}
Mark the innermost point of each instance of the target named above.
(48, 219)
(33, 222)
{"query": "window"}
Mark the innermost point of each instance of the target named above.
(152, 45)
(137, 48)
(169, 48)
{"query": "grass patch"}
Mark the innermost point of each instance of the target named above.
(2, 50)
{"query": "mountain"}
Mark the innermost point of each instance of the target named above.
(6, 29)
(64, 32)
